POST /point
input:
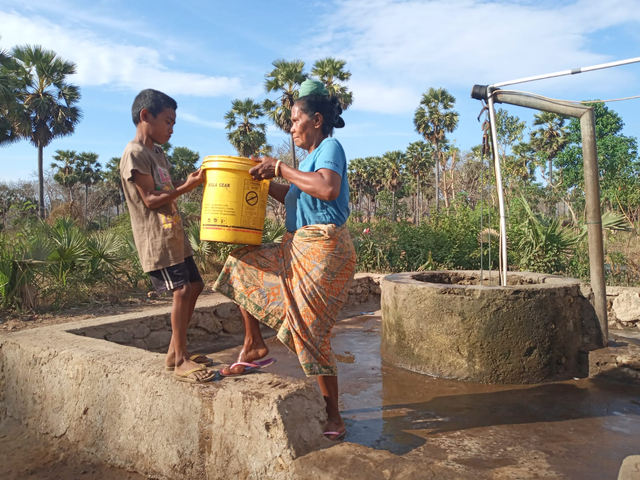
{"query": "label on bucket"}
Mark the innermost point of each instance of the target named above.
(234, 203)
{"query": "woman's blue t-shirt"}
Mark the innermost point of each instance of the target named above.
(302, 208)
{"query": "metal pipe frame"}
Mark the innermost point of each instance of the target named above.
(502, 258)
(573, 71)
(591, 184)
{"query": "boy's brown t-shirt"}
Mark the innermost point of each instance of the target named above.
(158, 233)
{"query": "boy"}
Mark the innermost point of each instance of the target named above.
(163, 248)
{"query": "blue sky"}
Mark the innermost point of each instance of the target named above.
(207, 53)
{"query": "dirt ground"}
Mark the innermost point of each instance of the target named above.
(131, 303)
(25, 456)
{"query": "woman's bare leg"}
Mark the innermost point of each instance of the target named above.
(254, 347)
(329, 388)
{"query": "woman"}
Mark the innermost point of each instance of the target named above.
(297, 287)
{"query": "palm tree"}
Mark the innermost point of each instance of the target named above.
(66, 173)
(6, 79)
(357, 182)
(89, 171)
(183, 162)
(286, 78)
(393, 163)
(550, 138)
(449, 151)
(48, 104)
(112, 177)
(11, 123)
(265, 150)
(329, 71)
(417, 157)
(363, 175)
(245, 134)
(433, 119)
(166, 147)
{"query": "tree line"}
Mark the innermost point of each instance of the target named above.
(248, 135)
(542, 164)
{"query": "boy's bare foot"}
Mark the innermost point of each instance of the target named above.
(335, 425)
(247, 355)
(198, 375)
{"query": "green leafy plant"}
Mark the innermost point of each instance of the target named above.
(541, 243)
(203, 250)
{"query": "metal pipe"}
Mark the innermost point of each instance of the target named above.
(592, 187)
(573, 71)
(538, 103)
(496, 161)
(594, 219)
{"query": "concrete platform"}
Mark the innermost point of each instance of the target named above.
(118, 404)
(115, 403)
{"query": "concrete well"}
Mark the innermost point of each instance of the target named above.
(537, 329)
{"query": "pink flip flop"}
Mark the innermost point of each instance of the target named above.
(250, 367)
(340, 435)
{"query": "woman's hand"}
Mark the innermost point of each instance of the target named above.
(265, 168)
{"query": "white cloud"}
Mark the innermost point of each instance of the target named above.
(374, 96)
(103, 62)
(396, 49)
(188, 117)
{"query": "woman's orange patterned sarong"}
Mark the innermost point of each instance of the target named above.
(296, 287)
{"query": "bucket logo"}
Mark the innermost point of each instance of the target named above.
(251, 198)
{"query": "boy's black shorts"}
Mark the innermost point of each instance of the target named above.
(170, 278)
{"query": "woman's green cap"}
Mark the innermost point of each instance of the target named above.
(312, 87)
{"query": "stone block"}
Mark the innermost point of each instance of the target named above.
(626, 307)
(210, 324)
(232, 325)
(139, 343)
(158, 322)
(195, 318)
(228, 310)
(158, 339)
(195, 334)
(121, 336)
(630, 469)
(141, 331)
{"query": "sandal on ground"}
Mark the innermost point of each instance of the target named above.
(194, 358)
(249, 367)
(340, 435)
(185, 377)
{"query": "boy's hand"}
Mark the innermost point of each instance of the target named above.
(194, 179)
(265, 169)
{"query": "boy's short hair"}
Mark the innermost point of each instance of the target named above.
(152, 100)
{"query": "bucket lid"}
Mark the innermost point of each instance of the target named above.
(224, 161)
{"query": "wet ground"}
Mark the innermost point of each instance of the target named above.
(578, 429)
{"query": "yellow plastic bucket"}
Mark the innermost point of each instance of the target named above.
(234, 204)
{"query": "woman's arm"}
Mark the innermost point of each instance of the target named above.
(278, 191)
(323, 184)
